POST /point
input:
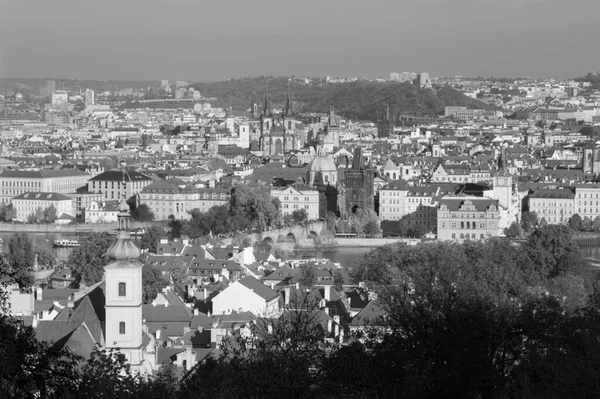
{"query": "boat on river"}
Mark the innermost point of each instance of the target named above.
(66, 243)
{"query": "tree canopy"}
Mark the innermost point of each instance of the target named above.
(88, 260)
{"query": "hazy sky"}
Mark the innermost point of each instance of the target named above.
(217, 39)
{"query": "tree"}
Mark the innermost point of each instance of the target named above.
(338, 280)
(143, 213)
(151, 237)
(21, 257)
(553, 252)
(529, 221)
(34, 369)
(153, 283)
(514, 230)
(88, 260)
(543, 222)
(300, 216)
(308, 275)
(576, 223)
(175, 228)
(45, 258)
(108, 375)
(290, 349)
(372, 229)
(50, 214)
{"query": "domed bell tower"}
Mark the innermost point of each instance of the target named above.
(123, 292)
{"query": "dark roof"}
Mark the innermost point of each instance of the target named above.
(480, 204)
(41, 173)
(120, 176)
(258, 288)
(42, 196)
(565, 193)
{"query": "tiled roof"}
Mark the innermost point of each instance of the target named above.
(41, 173)
(120, 176)
(258, 288)
(37, 196)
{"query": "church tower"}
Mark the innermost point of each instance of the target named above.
(123, 292)
(502, 189)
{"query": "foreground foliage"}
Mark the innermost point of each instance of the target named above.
(476, 320)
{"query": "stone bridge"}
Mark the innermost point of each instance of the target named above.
(297, 235)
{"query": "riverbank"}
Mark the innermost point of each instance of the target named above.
(67, 228)
(372, 242)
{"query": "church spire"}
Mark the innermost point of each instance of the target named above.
(502, 163)
(123, 249)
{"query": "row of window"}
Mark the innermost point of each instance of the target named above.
(286, 198)
(463, 225)
(203, 196)
(467, 237)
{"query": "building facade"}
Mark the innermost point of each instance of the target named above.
(467, 218)
(16, 182)
(27, 203)
(118, 184)
(166, 199)
(298, 197)
(555, 205)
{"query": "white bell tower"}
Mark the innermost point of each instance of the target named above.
(123, 279)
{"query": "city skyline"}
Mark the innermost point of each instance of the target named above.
(210, 41)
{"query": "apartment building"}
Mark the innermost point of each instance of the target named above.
(297, 197)
(118, 184)
(166, 199)
(27, 203)
(556, 205)
(17, 182)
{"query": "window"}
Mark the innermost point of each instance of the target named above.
(122, 289)
(453, 236)
(121, 327)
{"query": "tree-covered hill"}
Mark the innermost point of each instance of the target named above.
(592, 77)
(360, 99)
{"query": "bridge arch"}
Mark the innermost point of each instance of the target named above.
(313, 234)
(268, 241)
(290, 237)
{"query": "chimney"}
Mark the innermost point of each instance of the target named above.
(327, 290)
(287, 292)
(272, 286)
(329, 325)
(204, 294)
(38, 293)
(297, 286)
(70, 302)
(196, 312)
(158, 334)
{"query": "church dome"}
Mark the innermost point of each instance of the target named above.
(322, 170)
(322, 163)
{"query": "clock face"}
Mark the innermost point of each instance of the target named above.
(502, 181)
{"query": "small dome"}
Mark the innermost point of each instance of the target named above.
(322, 163)
(123, 207)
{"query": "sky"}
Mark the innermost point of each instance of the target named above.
(208, 40)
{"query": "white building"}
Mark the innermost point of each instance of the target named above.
(96, 213)
(297, 197)
(247, 295)
(89, 97)
(60, 97)
(27, 203)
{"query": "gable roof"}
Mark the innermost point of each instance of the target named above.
(258, 288)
